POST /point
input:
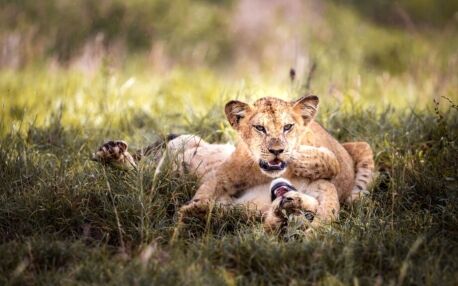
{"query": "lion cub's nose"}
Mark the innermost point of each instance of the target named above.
(276, 152)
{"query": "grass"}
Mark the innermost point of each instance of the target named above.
(67, 220)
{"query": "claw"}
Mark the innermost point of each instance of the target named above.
(114, 153)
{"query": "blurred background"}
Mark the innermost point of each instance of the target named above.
(93, 60)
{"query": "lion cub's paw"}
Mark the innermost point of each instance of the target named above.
(196, 208)
(296, 203)
(288, 205)
(114, 153)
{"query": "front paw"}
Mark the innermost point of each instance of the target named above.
(114, 153)
(195, 208)
(314, 163)
(309, 171)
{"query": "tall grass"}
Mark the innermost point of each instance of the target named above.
(65, 219)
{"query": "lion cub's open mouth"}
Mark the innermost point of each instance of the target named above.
(279, 187)
(274, 165)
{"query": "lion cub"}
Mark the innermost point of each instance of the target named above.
(279, 138)
(270, 146)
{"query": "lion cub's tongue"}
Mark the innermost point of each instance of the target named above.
(275, 162)
(280, 192)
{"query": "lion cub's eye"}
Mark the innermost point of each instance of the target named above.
(260, 128)
(287, 127)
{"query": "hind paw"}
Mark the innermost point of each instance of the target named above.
(196, 209)
(114, 153)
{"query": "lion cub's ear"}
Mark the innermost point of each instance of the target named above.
(235, 110)
(307, 107)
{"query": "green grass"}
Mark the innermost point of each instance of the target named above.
(67, 220)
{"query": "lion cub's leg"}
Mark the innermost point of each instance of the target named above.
(115, 154)
(362, 155)
(314, 163)
(328, 201)
(192, 154)
(187, 150)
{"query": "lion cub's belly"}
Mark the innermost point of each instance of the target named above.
(257, 197)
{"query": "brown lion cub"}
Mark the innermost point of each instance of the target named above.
(277, 138)
(272, 133)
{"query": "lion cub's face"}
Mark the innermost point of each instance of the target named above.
(271, 128)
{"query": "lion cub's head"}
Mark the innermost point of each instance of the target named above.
(271, 128)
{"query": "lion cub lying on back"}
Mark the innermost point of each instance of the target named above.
(277, 138)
